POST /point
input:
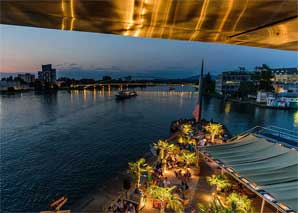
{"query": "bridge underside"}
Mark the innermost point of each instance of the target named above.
(259, 23)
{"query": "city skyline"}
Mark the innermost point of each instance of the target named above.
(79, 53)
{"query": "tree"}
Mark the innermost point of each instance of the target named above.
(247, 88)
(263, 78)
(220, 181)
(166, 198)
(173, 149)
(208, 84)
(106, 78)
(186, 128)
(216, 206)
(240, 202)
(188, 157)
(136, 169)
(214, 129)
(164, 148)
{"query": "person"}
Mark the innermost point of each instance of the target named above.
(130, 208)
(180, 173)
(119, 206)
(149, 178)
(166, 182)
(176, 173)
(110, 209)
(188, 174)
(160, 171)
(125, 205)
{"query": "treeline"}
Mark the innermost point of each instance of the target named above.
(260, 81)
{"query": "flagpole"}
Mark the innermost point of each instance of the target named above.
(200, 99)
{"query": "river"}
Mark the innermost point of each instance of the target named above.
(71, 143)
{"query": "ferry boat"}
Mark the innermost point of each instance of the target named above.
(125, 95)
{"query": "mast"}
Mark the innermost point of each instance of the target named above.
(200, 99)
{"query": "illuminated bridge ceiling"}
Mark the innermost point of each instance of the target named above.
(260, 23)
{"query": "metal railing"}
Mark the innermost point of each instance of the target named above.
(274, 133)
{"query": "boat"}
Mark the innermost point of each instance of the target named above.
(133, 93)
(125, 95)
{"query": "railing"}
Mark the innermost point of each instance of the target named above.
(277, 134)
(284, 130)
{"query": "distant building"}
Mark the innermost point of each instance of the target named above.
(27, 77)
(285, 75)
(229, 82)
(48, 74)
(289, 87)
(8, 85)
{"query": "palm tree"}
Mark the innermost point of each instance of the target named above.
(166, 198)
(220, 181)
(215, 205)
(173, 149)
(165, 149)
(175, 203)
(240, 202)
(188, 157)
(136, 169)
(162, 146)
(214, 129)
(186, 140)
(186, 128)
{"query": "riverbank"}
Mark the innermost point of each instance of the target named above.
(247, 101)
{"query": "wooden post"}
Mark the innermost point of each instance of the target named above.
(262, 206)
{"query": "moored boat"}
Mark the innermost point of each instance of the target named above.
(125, 95)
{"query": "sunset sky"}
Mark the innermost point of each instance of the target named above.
(24, 49)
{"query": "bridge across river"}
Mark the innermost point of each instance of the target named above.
(130, 84)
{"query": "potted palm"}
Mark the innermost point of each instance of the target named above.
(166, 198)
(186, 128)
(220, 181)
(214, 130)
(188, 157)
(136, 169)
(240, 202)
(164, 148)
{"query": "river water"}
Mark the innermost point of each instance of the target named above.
(71, 143)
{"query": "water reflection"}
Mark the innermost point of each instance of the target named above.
(228, 107)
(295, 116)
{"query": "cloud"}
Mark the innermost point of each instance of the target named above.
(68, 66)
